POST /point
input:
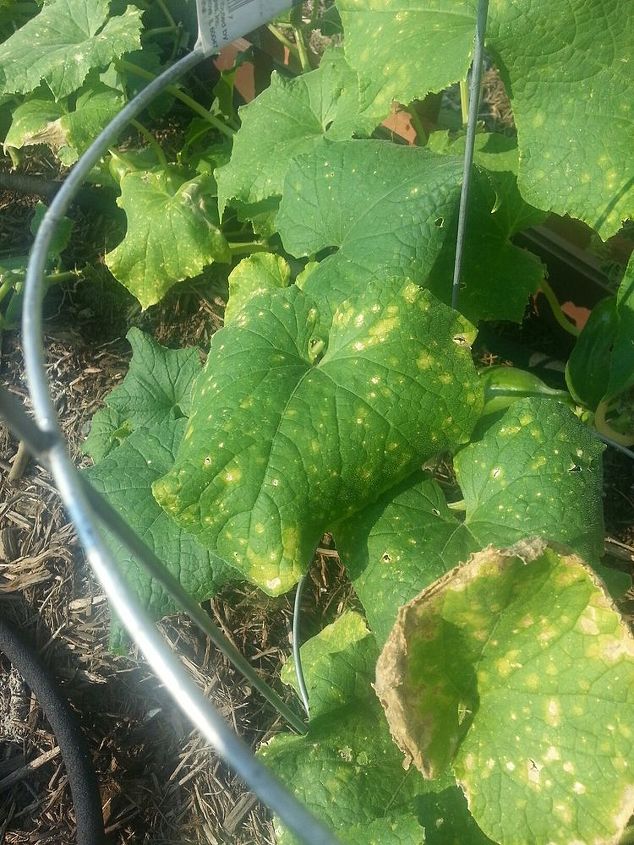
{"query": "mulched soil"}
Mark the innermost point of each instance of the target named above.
(160, 782)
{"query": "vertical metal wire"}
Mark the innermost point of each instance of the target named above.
(134, 618)
(297, 657)
(474, 101)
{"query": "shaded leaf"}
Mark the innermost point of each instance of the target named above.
(622, 363)
(157, 386)
(590, 359)
(390, 210)
(536, 472)
(125, 478)
(346, 769)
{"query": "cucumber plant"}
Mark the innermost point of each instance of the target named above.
(503, 667)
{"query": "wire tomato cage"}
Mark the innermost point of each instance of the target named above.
(220, 22)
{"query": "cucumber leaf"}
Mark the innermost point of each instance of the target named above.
(346, 769)
(63, 43)
(558, 84)
(497, 155)
(173, 232)
(67, 132)
(402, 220)
(157, 386)
(285, 439)
(125, 478)
(517, 670)
(290, 117)
(258, 273)
(536, 472)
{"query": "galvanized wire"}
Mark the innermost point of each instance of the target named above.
(467, 173)
(165, 664)
(297, 656)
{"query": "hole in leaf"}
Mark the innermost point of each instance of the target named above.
(439, 222)
(327, 125)
(460, 339)
(574, 468)
(385, 557)
(435, 511)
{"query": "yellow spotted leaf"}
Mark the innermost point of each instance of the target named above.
(291, 430)
(516, 670)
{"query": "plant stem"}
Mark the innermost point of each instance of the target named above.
(555, 307)
(158, 30)
(168, 15)
(68, 276)
(286, 42)
(154, 144)
(201, 111)
(248, 247)
(5, 288)
(457, 506)
(464, 101)
(301, 50)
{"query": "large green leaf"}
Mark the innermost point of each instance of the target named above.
(390, 210)
(125, 478)
(567, 65)
(282, 443)
(157, 386)
(402, 51)
(517, 670)
(537, 472)
(67, 132)
(290, 117)
(61, 45)
(173, 232)
(499, 157)
(346, 769)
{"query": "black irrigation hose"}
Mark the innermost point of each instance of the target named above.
(70, 740)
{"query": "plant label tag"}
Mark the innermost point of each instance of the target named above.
(221, 21)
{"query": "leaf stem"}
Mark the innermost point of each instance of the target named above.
(154, 144)
(555, 307)
(5, 288)
(457, 506)
(304, 60)
(158, 30)
(168, 15)
(201, 111)
(286, 42)
(248, 247)
(68, 276)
